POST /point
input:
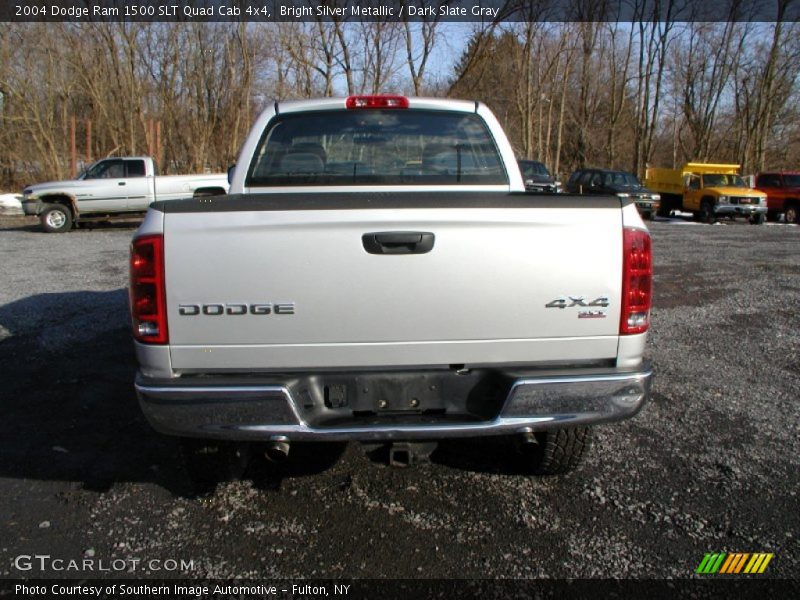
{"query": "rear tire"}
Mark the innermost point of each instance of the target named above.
(557, 452)
(56, 218)
(791, 215)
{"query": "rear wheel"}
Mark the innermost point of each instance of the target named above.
(56, 218)
(556, 452)
(791, 215)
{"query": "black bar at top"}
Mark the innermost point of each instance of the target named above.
(397, 10)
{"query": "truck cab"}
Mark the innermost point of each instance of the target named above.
(722, 194)
(132, 176)
(783, 194)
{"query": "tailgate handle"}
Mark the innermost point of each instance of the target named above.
(398, 242)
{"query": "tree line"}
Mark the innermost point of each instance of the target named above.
(592, 93)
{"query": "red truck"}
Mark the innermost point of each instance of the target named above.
(783, 194)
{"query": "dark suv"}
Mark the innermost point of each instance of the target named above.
(537, 177)
(615, 183)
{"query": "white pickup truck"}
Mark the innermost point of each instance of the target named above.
(112, 187)
(379, 274)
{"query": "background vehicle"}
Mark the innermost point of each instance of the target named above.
(617, 183)
(708, 191)
(112, 187)
(387, 302)
(537, 178)
(783, 194)
(10, 204)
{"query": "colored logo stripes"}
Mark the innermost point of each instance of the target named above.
(734, 563)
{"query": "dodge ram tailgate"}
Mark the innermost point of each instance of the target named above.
(362, 280)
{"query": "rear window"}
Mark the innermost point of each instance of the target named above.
(722, 180)
(532, 168)
(135, 168)
(792, 180)
(376, 147)
(106, 169)
(620, 178)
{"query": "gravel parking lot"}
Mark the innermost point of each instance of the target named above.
(710, 465)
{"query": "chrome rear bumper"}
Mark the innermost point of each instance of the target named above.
(262, 412)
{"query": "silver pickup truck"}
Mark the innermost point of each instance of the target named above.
(112, 187)
(379, 274)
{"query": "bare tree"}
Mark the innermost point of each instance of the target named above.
(473, 64)
(585, 111)
(345, 55)
(36, 113)
(531, 65)
(763, 82)
(619, 63)
(704, 66)
(379, 41)
(569, 55)
(420, 41)
(654, 31)
(326, 49)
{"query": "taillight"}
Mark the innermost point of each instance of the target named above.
(637, 281)
(377, 102)
(147, 295)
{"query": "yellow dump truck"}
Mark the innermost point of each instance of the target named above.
(708, 191)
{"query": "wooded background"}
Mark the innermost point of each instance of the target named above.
(605, 94)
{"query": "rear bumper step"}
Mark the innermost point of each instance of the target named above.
(365, 406)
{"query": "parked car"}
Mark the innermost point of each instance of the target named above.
(113, 187)
(537, 178)
(783, 194)
(615, 183)
(708, 191)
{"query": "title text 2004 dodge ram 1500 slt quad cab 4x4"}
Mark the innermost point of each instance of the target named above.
(379, 274)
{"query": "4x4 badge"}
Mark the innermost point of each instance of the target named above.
(570, 301)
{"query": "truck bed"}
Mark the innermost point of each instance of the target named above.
(479, 296)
